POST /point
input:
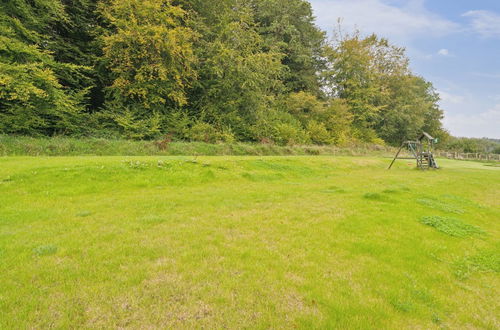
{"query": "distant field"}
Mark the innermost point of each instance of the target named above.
(255, 242)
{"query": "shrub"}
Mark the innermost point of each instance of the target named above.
(367, 135)
(134, 126)
(304, 106)
(203, 132)
(177, 123)
(318, 133)
(288, 134)
(226, 135)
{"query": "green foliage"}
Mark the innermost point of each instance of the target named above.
(178, 122)
(202, 132)
(278, 126)
(356, 76)
(236, 78)
(304, 106)
(338, 120)
(138, 127)
(117, 146)
(257, 70)
(386, 100)
(288, 27)
(471, 145)
(33, 99)
(318, 133)
(326, 121)
(289, 134)
(149, 52)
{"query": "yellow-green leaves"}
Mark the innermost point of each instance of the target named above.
(150, 52)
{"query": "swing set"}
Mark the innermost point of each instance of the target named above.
(421, 150)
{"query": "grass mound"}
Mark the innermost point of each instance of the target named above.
(451, 226)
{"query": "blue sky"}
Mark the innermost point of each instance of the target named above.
(455, 44)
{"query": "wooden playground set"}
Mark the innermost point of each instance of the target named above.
(421, 150)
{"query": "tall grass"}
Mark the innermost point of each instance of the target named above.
(66, 146)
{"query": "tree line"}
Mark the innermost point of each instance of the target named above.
(218, 70)
(471, 145)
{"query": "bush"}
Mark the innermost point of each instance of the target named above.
(368, 135)
(138, 127)
(318, 133)
(304, 106)
(226, 135)
(203, 132)
(288, 134)
(177, 123)
(338, 121)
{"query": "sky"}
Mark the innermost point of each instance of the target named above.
(455, 44)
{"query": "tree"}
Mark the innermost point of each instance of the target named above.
(218, 70)
(238, 81)
(385, 99)
(325, 121)
(75, 40)
(33, 99)
(288, 27)
(411, 107)
(149, 50)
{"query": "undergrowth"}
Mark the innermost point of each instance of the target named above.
(66, 146)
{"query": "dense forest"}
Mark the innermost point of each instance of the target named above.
(214, 71)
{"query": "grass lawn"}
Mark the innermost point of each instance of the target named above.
(255, 242)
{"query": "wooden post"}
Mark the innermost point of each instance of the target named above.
(397, 154)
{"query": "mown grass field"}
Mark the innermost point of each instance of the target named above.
(254, 242)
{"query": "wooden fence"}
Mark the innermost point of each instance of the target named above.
(472, 156)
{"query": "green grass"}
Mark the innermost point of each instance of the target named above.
(451, 226)
(247, 242)
(68, 146)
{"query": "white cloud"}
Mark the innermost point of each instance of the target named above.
(398, 23)
(443, 52)
(485, 124)
(450, 98)
(465, 115)
(485, 23)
